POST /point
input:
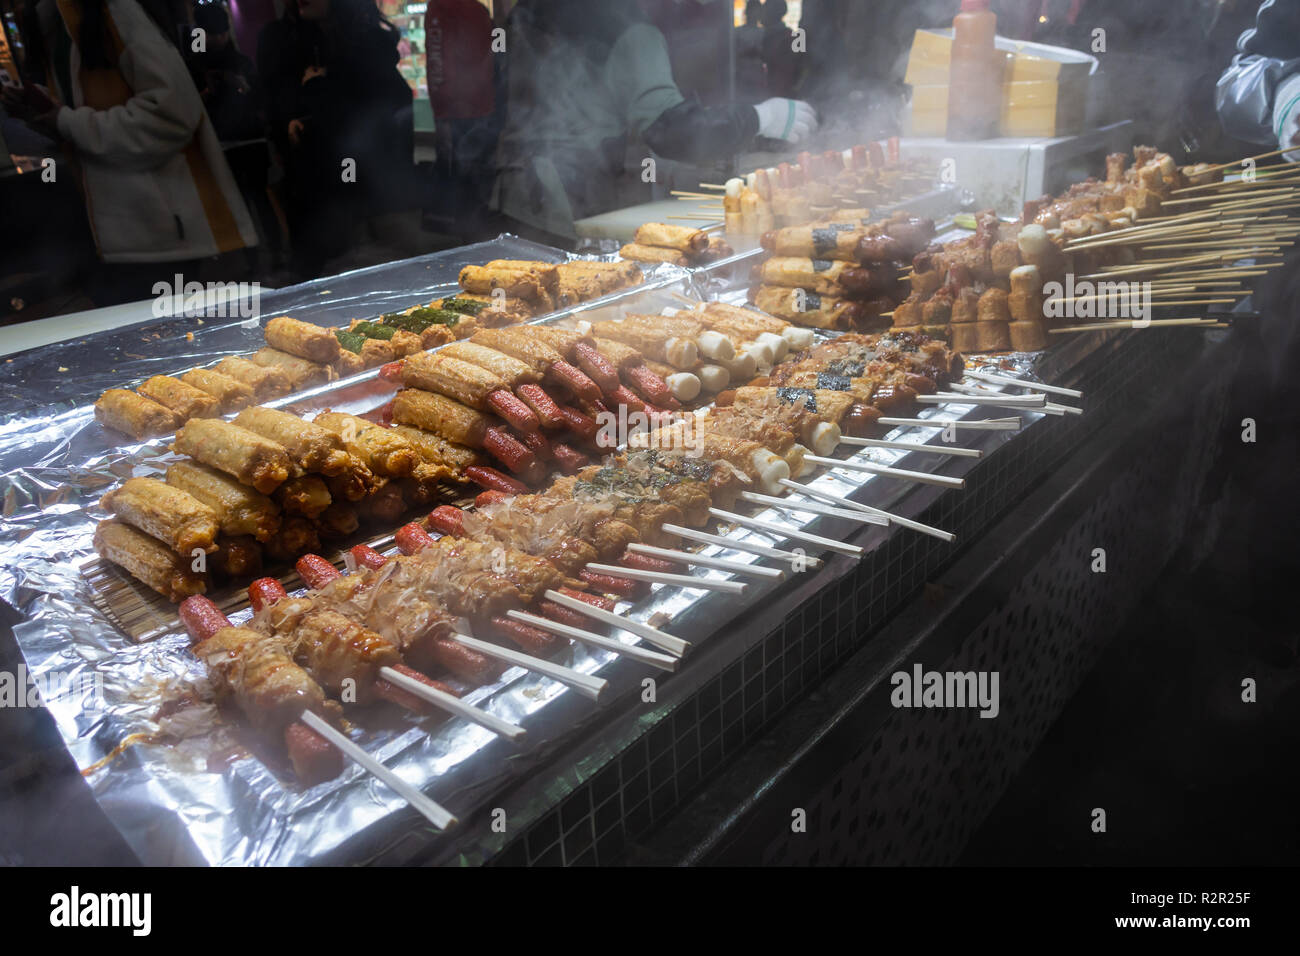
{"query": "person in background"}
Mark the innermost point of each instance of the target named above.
(586, 81)
(461, 72)
(751, 77)
(227, 83)
(782, 62)
(1258, 96)
(123, 107)
(341, 116)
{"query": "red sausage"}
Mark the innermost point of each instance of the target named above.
(537, 444)
(582, 425)
(654, 388)
(644, 562)
(264, 592)
(508, 450)
(201, 618)
(411, 538)
(509, 407)
(548, 413)
(392, 372)
(602, 370)
(447, 519)
(368, 557)
(316, 571)
(626, 397)
(893, 150)
(570, 459)
(485, 498)
(877, 154)
(595, 600)
(623, 587)
(563, 615)
(575, 380)
(531, 640)
(314, 759)
(404, 698)
(465, 663)
(493, 480)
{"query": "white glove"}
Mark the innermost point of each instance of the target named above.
(1286, 116)
(790, 120)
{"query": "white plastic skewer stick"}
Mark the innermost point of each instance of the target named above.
(749, 547)
(1034, 386)
(654, 659)
(770, 528)
(921, 477)
(985, 425)
(1006, 401)
(1051, 408)
(453, 704)
(700, 560)
(652, 635)
(893, 518)
(785, 504)
(584, 684)
(913, 446)
(665, 577)
(439, 817)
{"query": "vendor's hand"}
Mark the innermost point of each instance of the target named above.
(791, 120)
(296, 128)
(34, 106)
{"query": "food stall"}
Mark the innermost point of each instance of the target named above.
(635, 544)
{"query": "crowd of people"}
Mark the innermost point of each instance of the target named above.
(278, 160)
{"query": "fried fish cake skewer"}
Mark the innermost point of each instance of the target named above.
(240, 510)
(174, 517)
(250, 458)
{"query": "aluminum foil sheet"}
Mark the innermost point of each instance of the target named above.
(183, 786)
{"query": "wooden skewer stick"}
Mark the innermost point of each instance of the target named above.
(776, 530)
(1154, 323)
(653, 658)
(1005, 401)
(712, 186)
(435, 814)
(849, 503)
(996, 379)
(1240, 185)
(912, 446)
(785, 504)
(1239, 162)
(651, 635)
(665, 577)
(703, 561)
(749, 547)
(886, 471)
(1271, 191)
(695, 218)
(979, 425)
(453, 704)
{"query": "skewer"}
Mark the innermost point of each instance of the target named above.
(652, 635)
(921, 477)
(749, 547)
(979, 425)
(770, 528)
(912, 446)
(703, 561)
(785, 504)
(453, 704)
(1238, 162)
(1154, 323)
(849, 503)
(584, 684)
(665, 577)
(1052, 408)
(1006, 401)
(435, 814)
(654, 659)
(1035, 386)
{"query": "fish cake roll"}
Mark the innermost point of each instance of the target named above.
(147, 560)
(303, 339)
(437, 452)
(185, 400)
(310, 447)
(174, 517)
(306, 495)
(131, 414)
(240, 510)
(638, 252)
(231, 394)
(682, 238)
(301, 373)
(383, 452)
(245, 455)
(267, 382)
